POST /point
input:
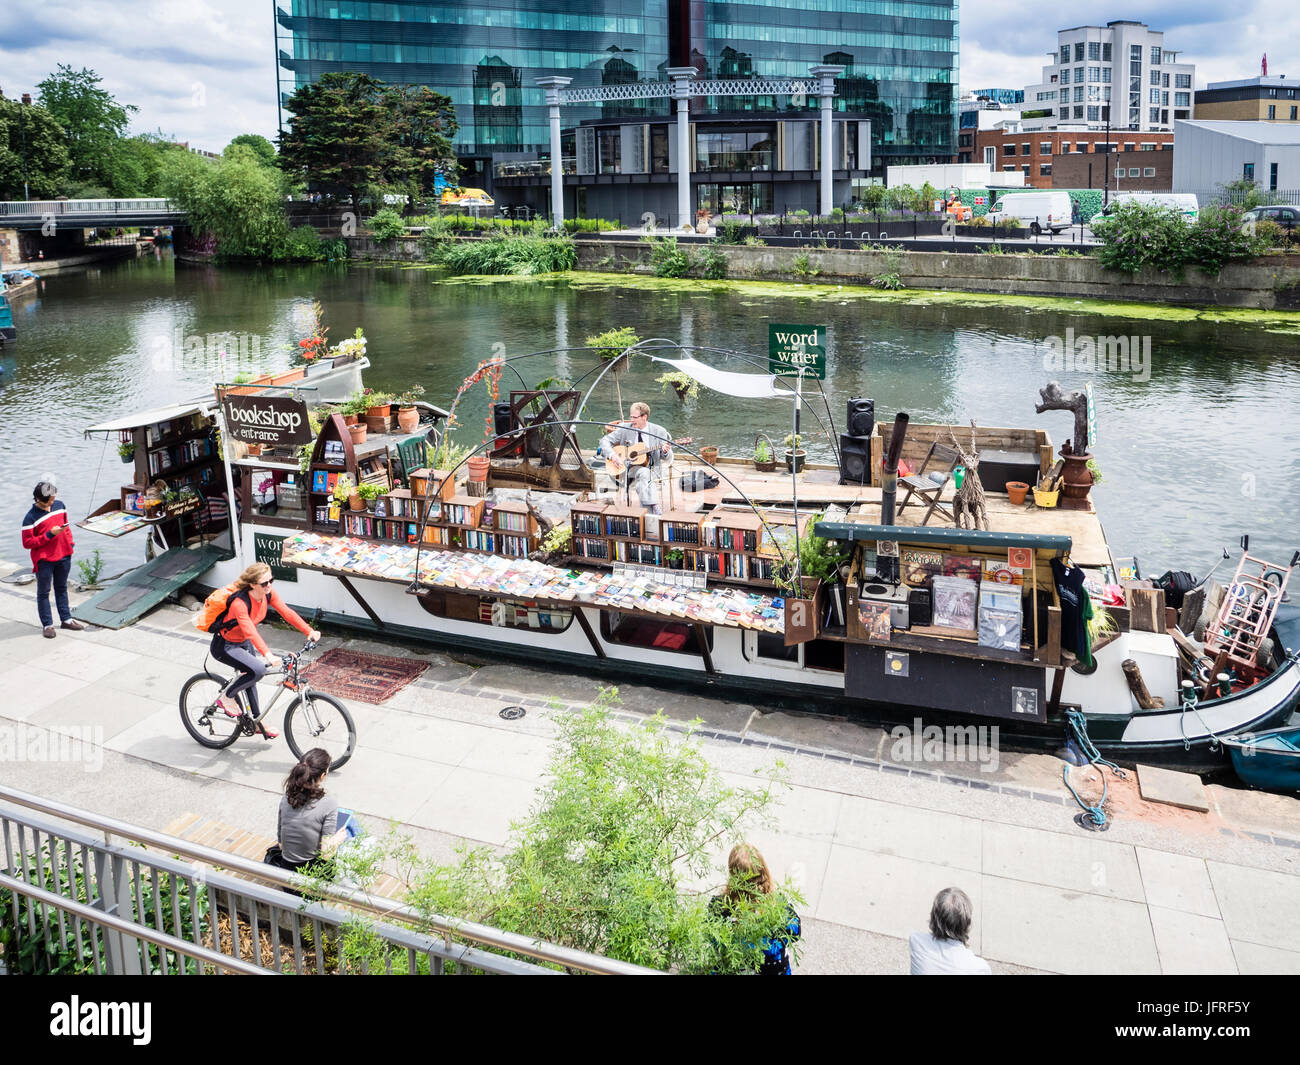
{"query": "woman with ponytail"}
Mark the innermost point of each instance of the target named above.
(306, 828)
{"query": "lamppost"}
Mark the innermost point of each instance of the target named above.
(22, 133)
(1105, 199)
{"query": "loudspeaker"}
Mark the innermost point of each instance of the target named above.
(920, 606)
(502, 422)
(860, 417)
(855, 459)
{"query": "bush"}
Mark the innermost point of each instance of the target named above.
(590, 225)
(803, 267)
(667, 259)
(730, 233)
(1271, 234)
(518, 256)
(304, 245)
(387, 225)
(873, 197)
(711, 263)
(1217, 239)
(1139, 237)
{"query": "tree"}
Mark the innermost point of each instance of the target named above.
(236, 199)
(260, 146)
(92, 120)
(338, 134)
(46, 152)
(425, 122)
(135, 165)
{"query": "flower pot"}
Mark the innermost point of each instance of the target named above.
(1045, 499)
(379, 411)
(351, 419)
(478, 467)
(675, 563)
(765, 467)
(407, 419)
(1016, 492)
(288, 377)
(254, 449)
(358, 433)
(794, 460)
(128, 458)
(355, 502)
(709, 454)
(1078, 482)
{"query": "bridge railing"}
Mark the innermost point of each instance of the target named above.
(89, 898)
(74, 208)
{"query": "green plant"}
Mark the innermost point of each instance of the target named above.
(711, 263)
(1270, 234)
(374, 398)
(1095, 470)
(992, 249)
(613, 342)
(754, 242)
(1101, 625)
(802, 267)
(409, 397)
(888, 281)
(126, 450)
(800, 214)
(91, 569)
(557, 541)
(979, 221)
(1218, 238)
(343, 488)
(683, 384)
(675, 555)
(762, 451)
(387, 225)
(873, 197)
(730, 233)
(371, 492)
(819, 557)
(242, 378)
(793, 440)
(510, 255)
(1140, 236)
(667, 259)
(447, 455)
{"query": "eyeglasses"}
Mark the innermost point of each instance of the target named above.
(267, 583)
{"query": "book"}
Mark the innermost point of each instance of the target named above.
(918, 565)
(962, 566)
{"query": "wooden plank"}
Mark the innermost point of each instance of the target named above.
(1058, 683)
(347, 584)
(702, 637)
(1050, 653)
(581, 616)
(1147, 606)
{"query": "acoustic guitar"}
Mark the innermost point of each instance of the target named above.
(635, 454)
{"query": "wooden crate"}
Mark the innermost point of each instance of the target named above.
(473, 513)
(630, 518)
(592, 511)
(426, 482)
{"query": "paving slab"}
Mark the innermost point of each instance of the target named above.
(108, 709)
(923, 835)
(1258, 905)
(84, 659)
(444, 742)
(511, 754)
(1172, 788)
(1256, 959)
(161, 738)
(1191, 945)
(458, 805)
(1064, 931)
(32, 688)
(891, 895)
(1177, 882)
(1078, 863)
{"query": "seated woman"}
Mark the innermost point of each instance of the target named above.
(748, 879)
(305, 827)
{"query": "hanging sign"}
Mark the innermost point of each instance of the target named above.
(267, 549)
(273, 421)
(791, 348)
(1092, 418)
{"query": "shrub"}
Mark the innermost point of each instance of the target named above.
(1270, 234)
(730, 233)
(518, 256)
(1139, 237)
(754, 242)
(304, 245)
(387, 225)
(613, 342)
(1217, 239)
(873, 197)
(803, 267)
(888, 281)
(667, 259)
(711, 263)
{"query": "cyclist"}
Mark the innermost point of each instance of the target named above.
(238, 644)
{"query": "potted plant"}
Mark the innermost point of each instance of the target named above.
(126, 451)
(702, 220)
(683, 384)
(794, 452)
(353, 408)
(764, 454)
(369, 493)
(407, 416)
(557, 542)
(674, 558)
(709, 454)
(346, 492)
(358, 432)
(378, 404)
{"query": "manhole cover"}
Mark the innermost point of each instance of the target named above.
(1084, 820)
(511, 713)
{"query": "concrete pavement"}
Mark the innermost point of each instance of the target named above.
(868, 840)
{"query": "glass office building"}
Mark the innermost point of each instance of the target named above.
(900, 58)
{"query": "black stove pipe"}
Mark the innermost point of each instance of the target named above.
(887, 568)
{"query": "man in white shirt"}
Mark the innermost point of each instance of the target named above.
(659, 453)
(942, 951)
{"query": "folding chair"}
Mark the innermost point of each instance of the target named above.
(929, 484)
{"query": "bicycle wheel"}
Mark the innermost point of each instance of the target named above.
(317, 720)
(202, 717)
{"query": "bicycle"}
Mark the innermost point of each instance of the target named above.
(312, 719)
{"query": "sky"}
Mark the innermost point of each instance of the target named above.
(203, 71)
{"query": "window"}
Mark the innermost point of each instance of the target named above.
(635, 631)
(1094, 49)
(1105, 75)
(963, 140)
(1105, 53)
(1155, 77)
(1164, 116)
(1179, 114)
(1272, 177)
(1184, 99)
(1134, 117)
(1182, 81)
(1148, 171)
(1078, 112)
(1135, 70)
(1154, 96)
(1119, 171)
(1044, 169)
(1008, 149)
(1044, 147)
(608, 143)
(1026, 149)
(1164, 99)
(1065, 147)
(1065, 53)
(1248, 171)
(1094, 114)
(1012, 169)
(1078, 75)
(1129, 146)
(1135, 52)
(1094, 73)
(1155, 55)
(1025, 168)
(1272, 111)
(1135, 171)
(1094, 92)
(1105, 93)
(1164, 81)
(1293, 114)
(1273, 93)
(1154, 114)
(1078, 94)
(1065, 76)
(1065, 96)
(1078, 52)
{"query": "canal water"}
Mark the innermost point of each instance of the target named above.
(1197, 445)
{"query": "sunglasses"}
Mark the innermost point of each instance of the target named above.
(267, 583)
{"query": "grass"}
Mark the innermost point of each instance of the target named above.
(514, 256)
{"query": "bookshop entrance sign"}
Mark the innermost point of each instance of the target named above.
(272, 421)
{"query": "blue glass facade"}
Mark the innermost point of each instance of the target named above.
(900, 57)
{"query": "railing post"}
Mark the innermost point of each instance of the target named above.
(113, 896)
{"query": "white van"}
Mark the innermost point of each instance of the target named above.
(1183, 202)
(1041, 211)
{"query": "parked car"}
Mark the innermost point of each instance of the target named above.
(1283, 214)
(1184, 202)
(1039, 211)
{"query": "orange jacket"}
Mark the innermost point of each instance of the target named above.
(245, 624)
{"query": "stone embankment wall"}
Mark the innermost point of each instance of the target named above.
(1270, 283)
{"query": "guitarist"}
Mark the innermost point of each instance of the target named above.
(640, 430)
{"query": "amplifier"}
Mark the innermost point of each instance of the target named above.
(897, 598)
(921, 606)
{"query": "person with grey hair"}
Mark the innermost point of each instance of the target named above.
(47, 535)
(942, 951)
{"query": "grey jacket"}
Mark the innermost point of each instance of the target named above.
(302, 831)
(654, 437)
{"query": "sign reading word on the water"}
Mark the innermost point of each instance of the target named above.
(267, 549)
(791, 348)
(273, 421)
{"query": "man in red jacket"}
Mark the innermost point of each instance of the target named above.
(47, 535)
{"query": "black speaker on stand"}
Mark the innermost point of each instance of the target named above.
(855, 459)
(503, 422)
(860, 417)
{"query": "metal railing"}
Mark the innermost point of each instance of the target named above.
(77, 901)
(66, 208)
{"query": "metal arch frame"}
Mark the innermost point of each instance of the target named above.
(681, 88)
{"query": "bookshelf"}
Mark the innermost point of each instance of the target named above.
(180, 451)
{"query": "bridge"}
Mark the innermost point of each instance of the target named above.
(88, 214)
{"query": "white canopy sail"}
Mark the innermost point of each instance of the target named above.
(743, 385)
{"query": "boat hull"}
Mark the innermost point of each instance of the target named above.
(1268, 760)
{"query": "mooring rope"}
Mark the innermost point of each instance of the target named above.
(1079, 727)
